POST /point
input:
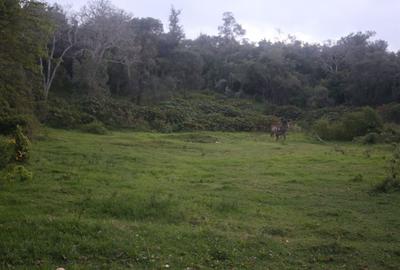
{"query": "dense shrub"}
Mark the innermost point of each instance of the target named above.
(9, 123)
(7, 151)
(370, 138)
(390, 112)
(67, 117)
(349, 126)
(195, 112)
(391, 133)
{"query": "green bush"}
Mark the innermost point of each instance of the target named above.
(95, 128)
(7, 151)
(323, 129)
(9, 123)
(22, 145)
(370, 138)
(390, 112)
(349, 126)
(67, 118)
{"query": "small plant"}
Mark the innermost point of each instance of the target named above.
(20, 174)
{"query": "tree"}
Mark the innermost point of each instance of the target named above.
(102, 30)
(62, 40)
(147, 33)
(176, 33)
(230, 30)
(24, 34)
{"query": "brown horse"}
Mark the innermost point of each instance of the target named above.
(280, 130)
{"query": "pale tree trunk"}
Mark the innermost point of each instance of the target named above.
(53, 64)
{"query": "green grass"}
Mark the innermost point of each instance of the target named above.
(199, 201)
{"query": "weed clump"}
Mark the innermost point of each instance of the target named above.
(18, 173)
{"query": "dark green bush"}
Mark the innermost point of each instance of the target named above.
(9, 123)
(391, 133)
(349, 126)
(7, 151)
(323, 129)
(195, 112)
(67, 118)
(94, 128)
(370, 138)
(390, 112)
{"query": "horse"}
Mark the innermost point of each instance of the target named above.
(279, 130)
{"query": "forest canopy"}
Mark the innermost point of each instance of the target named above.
(105, 53)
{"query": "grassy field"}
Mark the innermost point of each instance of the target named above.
(199, 201)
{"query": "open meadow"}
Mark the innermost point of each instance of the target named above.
(199, 201)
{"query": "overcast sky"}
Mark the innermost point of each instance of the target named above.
(308, 20)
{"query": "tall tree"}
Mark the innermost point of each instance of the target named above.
(230, 30)
(24, 35)
(176, 33)
(62, 40)
(102, 30)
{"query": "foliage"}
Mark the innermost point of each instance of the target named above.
(18, 173)
(370, 138)
(22, 145)
(8, 124)
(349, 125)
(23, 39)
(195, 112)
(60, 114)
(390, 112)
(7, 151)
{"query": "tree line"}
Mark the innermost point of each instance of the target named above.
(103, 51)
